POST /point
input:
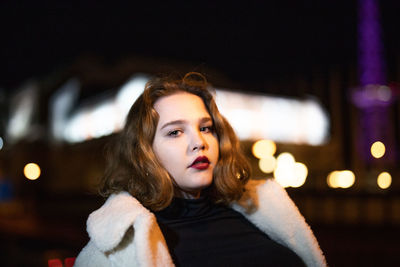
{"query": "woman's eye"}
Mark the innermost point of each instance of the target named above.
(173, 133)
(207, 129)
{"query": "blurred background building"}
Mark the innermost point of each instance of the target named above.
(310, 87)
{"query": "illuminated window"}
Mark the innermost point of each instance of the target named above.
(105, 117)
(280, 119)
(61, 104)
(252, 116)
(22, 109)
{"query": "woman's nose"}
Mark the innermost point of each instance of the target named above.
(198, 142)
(199, 147)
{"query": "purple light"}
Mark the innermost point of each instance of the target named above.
(372, 97)
(371, 64)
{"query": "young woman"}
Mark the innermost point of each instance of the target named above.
(179, 192)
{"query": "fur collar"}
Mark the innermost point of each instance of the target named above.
(265, 204)
(108, 225)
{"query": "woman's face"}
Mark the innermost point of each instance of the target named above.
(185, 142)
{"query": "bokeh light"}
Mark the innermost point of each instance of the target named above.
(283, 176)
(285, 159)
(342, 179)
(264, 148)
(378, 149)
(332, 179)
(32, 171)
(384, 180)
(288, 172)
(300, 173)
(1, 143)
(267, 164)
(347, 179)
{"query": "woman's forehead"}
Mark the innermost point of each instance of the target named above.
(180, 106)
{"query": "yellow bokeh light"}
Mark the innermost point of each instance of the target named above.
(342, 179)
(378, 149)
(300, 174)
(284, 176)
(32, 171)
(285, 158)
(328, 180)
(346, 179)
(332, 179)
(288, 172)
(267, 164)
(384, 180)
(264, 148)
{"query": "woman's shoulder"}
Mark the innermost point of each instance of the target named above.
(114, 227)
(91, 256)
(268, 198)
(107, 225)
(268, 206)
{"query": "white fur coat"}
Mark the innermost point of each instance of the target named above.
(124, 233)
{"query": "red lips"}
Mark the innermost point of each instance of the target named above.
(200, 163)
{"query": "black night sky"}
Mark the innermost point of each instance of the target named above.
(248, 41)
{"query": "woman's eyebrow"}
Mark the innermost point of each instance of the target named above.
(173, 123)
(205, 119)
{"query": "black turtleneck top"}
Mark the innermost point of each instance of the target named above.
(201, 233)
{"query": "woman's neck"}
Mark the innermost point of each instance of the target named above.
(187, 194)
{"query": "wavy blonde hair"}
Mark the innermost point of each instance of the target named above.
(133, 167)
